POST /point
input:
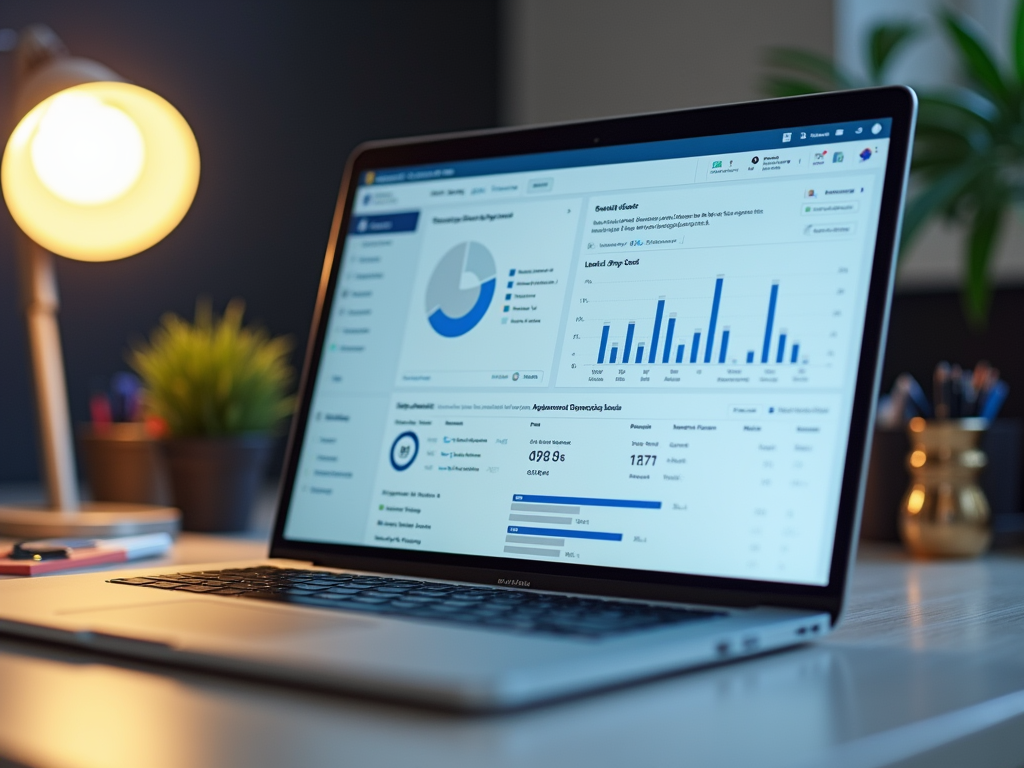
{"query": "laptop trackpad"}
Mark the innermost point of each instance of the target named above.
(181, 619)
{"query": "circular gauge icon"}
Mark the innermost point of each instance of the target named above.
(404, 451)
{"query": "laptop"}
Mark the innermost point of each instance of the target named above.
(582, 404)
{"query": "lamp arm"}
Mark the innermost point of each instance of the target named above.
(39, 297)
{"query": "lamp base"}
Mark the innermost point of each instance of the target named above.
(98, 520)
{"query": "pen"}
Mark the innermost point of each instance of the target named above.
(916, 396)
(941, 390)
(133, 547)
(124, 390)
(994, 401)
(990, 380)
(956, 391)
(970, 395)
(979, 374)
(99, 410)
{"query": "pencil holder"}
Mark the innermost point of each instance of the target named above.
(123, 463)
(944, 511)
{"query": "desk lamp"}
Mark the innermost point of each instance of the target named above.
(96, 169)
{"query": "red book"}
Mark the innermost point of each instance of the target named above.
(80, 558)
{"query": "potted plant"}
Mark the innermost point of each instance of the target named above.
(969, 146)
(221, 390)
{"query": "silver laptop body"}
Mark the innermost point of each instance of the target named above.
(630, 361)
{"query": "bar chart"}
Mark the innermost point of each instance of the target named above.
(737, 317)
(707, 347)
(542, 526)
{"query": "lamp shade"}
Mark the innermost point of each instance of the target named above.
(100, 171)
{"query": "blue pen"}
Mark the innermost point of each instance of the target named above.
(125, 391)
(916, 395)
(970, 395)
(994, 401)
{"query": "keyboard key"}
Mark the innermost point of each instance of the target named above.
(500, 609)
(179, 578)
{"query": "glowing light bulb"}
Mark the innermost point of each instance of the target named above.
(100, 171)
(87, 152)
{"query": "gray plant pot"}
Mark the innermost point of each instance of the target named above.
(214, 480)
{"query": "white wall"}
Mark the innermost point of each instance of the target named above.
(570, 59)
(937, 259)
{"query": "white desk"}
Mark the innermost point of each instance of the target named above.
(927, 670)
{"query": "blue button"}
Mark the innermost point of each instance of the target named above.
(384, 223)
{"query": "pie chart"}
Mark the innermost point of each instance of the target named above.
(460, 289)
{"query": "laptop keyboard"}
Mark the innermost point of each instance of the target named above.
(486, 607)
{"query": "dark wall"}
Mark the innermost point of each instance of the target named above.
(930, 327)
(278, 93)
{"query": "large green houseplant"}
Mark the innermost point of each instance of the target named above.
(221, 389)
(968, 163)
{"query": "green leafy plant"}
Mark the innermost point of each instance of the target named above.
(214, 377)
(968, 163)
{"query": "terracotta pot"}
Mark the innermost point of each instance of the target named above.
(123, 463)
(214, 480)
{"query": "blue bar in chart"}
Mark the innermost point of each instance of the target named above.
(583, 501)
(771, 319)
(668, 338)
(657, 331)
(565, 534)
(638, 350)
(714, 319)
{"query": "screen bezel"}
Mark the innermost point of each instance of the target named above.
(898, 103)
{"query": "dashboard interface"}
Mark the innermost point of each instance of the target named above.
(640, 356)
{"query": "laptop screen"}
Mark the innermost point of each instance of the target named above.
(641, 356)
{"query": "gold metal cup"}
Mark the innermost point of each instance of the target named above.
(944, 511)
